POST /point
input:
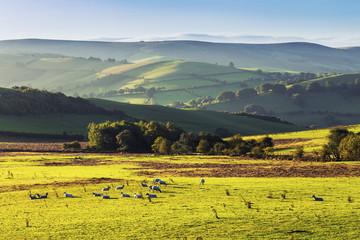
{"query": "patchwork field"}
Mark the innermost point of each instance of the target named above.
(278, 192)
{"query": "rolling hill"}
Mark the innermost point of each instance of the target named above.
(34, 111)
(337, 104)
(197, 120)
(305, 57)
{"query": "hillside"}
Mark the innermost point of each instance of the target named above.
(160, 82)
(336, 104)
(198, 120)
(305, 57)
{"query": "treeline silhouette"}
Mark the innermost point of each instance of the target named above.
(144, 137)
(29, 101)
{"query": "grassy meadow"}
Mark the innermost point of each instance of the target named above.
(281, 207)
(310, 140)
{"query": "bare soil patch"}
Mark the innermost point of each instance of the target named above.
(35, 146)
(271, 169)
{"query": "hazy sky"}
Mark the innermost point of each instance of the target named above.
(328, 22)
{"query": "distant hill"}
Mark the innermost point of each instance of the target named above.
(333, 100)
(198, 120)
(306, 57)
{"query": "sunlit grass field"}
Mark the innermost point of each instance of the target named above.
(184, 209)
(310, 140)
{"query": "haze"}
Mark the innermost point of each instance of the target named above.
(329, 22)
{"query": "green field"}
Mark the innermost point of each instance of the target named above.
(322, 109)
(184, 209)
(311, 139)
(198, 120)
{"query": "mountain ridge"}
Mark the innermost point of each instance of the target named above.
(295, 56)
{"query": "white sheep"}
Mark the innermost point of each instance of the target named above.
(120, 187)
(42, 196)
(33, 197)
(137, 195)
(317, 198)
(144, 185)
(155, 180)
(68, 194)
(154, 188)
(105, 196)
(125, 195)
(202, 181)
(162, 183)
(151, 195)
(97, 194)
(106, 189)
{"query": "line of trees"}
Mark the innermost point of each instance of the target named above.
(142, 137)
(28, 101)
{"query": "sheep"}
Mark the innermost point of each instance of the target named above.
(144, 185)
(317, 198)
(42, 196)
(125, 195)
(32, 197)
(151, 195)
(105, 196)
(154, 188)
(137, 196)
(162, 183)
(202, 181)
(106, 189)
(155, 180)
(68, 194)
(97, 194)
(120, 187)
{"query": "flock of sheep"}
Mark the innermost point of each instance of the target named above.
(151, 187)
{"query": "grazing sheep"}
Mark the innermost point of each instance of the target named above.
(105, 196)
(42, 196)
(137, 196)
(97, 194)
(202, 181)
(154, 188)
(155, 180)
(120, 187)
(317, 198)
(144, 185)
(68, 194)
(125, 195)
(106, 189)
(151, 195)
(162, 183)
(32, 197)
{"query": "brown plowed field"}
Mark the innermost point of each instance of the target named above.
(271, 169)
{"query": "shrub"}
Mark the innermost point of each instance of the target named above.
(72, 146)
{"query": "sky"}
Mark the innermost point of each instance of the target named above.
(333, 23)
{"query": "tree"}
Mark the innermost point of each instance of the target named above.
(245, 93)
(279, 88)
(314, 87)
(127, 141)
(334, 139)
(225, 96)
(294, 89)
(203, 147)
(161, 145)
(299, 152)
(349, 147)
(231, 64)
(253, 108)
(72, 146)
(265, 87)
